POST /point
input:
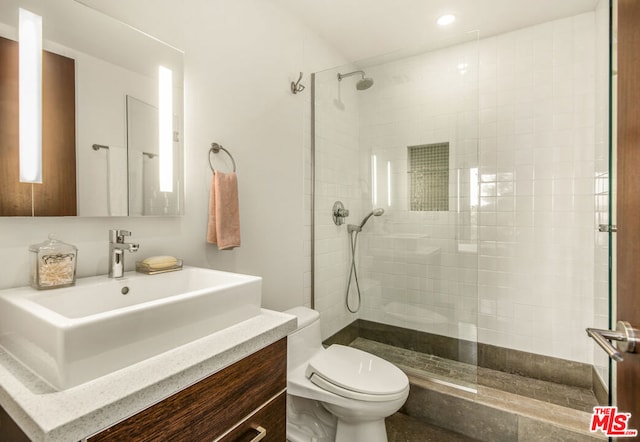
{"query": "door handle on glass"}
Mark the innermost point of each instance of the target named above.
(627, 338)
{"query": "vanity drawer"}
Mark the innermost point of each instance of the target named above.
(272, 418)
(207, 409)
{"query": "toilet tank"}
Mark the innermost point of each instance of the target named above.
(306, 340)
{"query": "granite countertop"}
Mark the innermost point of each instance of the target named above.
(45, 414)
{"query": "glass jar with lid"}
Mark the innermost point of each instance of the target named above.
(53, 264)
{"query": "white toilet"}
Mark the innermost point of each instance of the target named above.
(339, 393)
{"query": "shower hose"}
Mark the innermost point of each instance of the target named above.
(353, 272)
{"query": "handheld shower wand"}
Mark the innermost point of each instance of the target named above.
(356, 228)
(353, 230)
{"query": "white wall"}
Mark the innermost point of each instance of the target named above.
(240, 57)
(238, 79)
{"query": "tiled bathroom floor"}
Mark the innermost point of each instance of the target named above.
(435, 367)
(403, 428)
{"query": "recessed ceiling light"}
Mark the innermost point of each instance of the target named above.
(446, 19)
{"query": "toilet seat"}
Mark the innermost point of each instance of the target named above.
(356, 374)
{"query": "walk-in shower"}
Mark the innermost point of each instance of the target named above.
(353, 230)
(475, 153)
(486, 256)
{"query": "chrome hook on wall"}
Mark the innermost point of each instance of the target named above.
(296, 86)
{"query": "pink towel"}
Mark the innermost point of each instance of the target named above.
(224, 214)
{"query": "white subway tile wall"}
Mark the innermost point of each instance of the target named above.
(537, 122)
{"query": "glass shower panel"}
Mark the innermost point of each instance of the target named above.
(407, 145)
(604, 187)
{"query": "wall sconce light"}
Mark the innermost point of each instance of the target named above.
(165, 128)
(30, 96)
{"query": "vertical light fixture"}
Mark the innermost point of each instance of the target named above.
(474, 188)
(374, 180)
(389, 183)
(30, 96)
(165, 128)
(458, 189)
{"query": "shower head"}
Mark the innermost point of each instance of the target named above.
(374, 212)
(362, 84)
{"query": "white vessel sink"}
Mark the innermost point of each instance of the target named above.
(72, 335)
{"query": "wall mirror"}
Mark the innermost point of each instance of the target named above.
(110, 147)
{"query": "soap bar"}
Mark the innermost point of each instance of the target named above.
(160, 262)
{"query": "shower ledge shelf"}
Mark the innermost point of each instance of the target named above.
(422, 256)
(412, 247)
(407, 236)
(468, 247)
(414, 313)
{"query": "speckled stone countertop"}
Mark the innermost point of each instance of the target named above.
(45, 414)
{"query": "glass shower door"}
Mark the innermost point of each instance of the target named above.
(406, 148)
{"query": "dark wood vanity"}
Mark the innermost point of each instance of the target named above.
(237, 403)
(229, 405)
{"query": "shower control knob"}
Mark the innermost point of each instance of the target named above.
(339, 213)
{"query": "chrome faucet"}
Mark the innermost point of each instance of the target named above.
(117, 247)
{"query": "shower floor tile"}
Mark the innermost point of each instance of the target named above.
(466, 375)
(403, 428)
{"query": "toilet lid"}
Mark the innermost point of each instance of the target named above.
(354, 370)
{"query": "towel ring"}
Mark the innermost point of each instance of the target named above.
(216, 148)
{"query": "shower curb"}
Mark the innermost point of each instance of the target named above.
(493, 415)
(531, 365)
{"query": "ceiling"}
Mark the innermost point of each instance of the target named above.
(361, 29)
